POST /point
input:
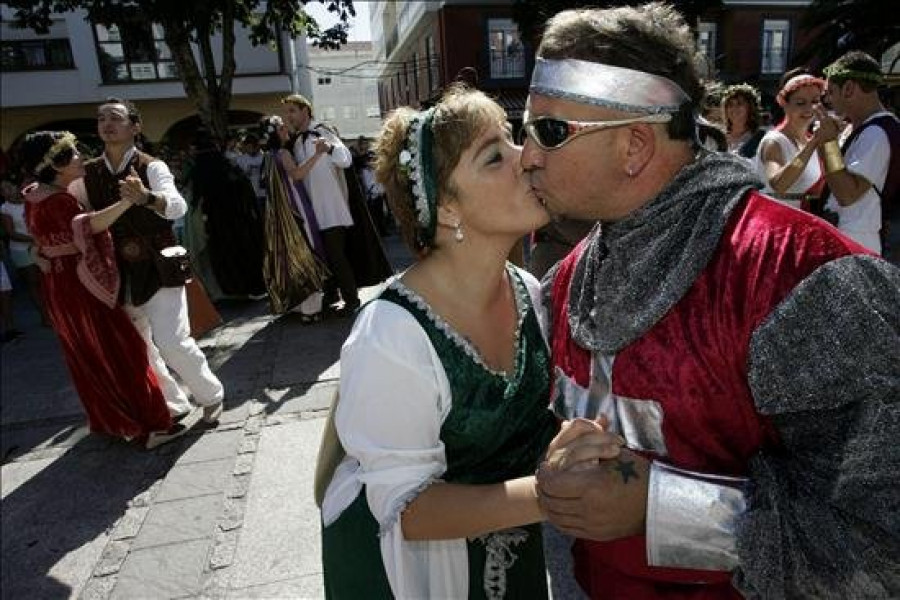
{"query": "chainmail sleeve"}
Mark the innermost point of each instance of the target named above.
(823, 518)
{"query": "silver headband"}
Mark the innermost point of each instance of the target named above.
(612, 87)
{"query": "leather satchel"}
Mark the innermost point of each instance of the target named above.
(173, 264)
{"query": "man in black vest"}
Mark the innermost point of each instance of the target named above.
(160, 313)
(863, 174)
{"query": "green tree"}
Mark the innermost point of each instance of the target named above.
(195, 22)
(842, 25)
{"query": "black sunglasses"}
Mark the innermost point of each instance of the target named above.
(551, 133)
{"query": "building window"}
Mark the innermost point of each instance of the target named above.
(36, 55)
(775, 45)
(349, 112)
(507, 55)
(706, 45)
(373, 111)
(328, 113)
(133, 51)
(324, 80)
(432, 58)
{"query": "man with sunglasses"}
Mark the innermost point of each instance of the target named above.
(747, 352)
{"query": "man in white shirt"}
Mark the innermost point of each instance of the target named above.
(326, 156)
(159, 313)
(857, 171)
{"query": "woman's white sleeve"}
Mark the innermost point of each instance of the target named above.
(394, 398)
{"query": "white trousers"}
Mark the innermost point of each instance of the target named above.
(163, 323)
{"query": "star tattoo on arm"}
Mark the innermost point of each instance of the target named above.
(626, 469)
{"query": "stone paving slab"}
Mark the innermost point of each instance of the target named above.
(297, 587)
(215, 445)
(315, 397)
(195, 479)
(280, 537)
(180, 521)
(172, 571)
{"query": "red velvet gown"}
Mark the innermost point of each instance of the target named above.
(106, 356)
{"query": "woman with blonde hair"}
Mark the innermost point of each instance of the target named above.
(786, 160)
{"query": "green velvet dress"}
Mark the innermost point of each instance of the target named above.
(497, 429)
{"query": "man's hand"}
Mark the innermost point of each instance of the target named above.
(606, 502)
(132, 189)
(829, 127)
(322, 146)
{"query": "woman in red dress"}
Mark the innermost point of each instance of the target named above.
(105, 354)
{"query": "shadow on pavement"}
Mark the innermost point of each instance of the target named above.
(58, 515)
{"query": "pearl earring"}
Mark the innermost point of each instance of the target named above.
(630, 172)
(458, 236)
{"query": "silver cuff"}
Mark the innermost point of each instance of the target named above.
(691, 518)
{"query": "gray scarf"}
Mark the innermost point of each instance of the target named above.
(634, 270)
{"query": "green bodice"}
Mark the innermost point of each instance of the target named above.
(499, 425)
(497, 429)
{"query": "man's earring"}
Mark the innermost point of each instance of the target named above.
(458, 236)
(630, 172)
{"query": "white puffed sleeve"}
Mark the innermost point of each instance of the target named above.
(394, 398)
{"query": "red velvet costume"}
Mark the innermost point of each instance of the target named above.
(694, 363)
(106, 356)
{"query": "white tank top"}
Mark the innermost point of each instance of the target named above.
(808, 178)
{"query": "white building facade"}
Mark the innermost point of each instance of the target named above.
(59, 78)
(345, 88)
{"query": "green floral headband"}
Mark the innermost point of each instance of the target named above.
(741, 88)
(843, 73)
(417, 162)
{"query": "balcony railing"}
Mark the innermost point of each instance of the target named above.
(507, 64)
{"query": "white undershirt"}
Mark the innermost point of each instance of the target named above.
(869, 157)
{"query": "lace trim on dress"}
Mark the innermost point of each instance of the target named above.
(522, 303)
(402, 502)
(500, 557)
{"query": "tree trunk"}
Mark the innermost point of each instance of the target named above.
(201, 87)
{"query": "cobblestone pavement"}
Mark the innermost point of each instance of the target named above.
(224, 512)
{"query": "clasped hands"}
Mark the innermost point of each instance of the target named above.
(590, 485)
(322, 146)
(829, 127)
(132, 189)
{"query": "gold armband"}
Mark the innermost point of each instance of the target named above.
(831, 154)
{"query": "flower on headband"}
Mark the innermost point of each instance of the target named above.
(67, 140)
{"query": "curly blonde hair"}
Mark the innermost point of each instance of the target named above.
(460, 116)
